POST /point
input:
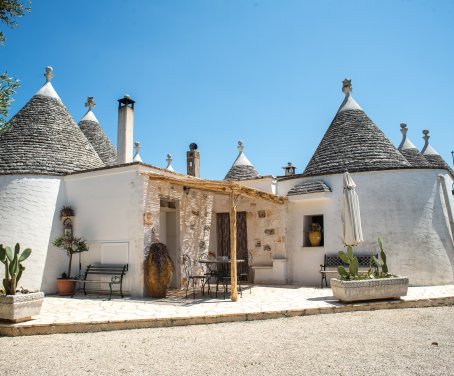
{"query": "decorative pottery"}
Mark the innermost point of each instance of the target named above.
(369, 289)
(315, 238)
(65, 287)
(20, 307)
(159, 270)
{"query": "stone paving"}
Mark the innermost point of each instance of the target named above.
(95, 313)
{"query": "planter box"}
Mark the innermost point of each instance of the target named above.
(20, 307)
(369, 289)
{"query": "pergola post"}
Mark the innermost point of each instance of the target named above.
(233, 265)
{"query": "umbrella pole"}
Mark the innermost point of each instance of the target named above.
(233, 267)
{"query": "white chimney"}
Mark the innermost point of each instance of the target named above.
(125, 130)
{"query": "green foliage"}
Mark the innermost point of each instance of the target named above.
(71, 245)
(9, 11)
(8, 87)
(352, 261)
(381, 263)
(353, 265)
(13, 266)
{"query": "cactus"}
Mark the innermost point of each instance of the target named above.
(13, 266)
(351, 261)
(381, 263)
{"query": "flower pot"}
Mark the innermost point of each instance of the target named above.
(315, 238)
(20, 307)
(369, 289)
(159, 270)
(65, 287)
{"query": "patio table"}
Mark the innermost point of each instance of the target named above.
(221, 274)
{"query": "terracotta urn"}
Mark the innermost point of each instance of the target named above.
(158, 270)
(315, 238)
(65, 286)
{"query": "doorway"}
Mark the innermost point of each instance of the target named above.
(223, 238)
(170, 236)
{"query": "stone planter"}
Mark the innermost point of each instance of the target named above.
(20, 307)
(369, 289)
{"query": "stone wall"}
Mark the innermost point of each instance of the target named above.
(265, 228)
(193, 208)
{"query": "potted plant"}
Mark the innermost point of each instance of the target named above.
(71, 244)
(374, 284)
(315, 234)
(159, 270)
(17, 307)
(66, 211)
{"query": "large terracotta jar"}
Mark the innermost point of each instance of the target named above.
(315, 238)
(158, 270)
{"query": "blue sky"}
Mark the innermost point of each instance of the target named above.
(267, 72)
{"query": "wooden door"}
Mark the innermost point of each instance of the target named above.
(223, 235)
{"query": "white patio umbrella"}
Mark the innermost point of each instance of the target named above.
(351, 217)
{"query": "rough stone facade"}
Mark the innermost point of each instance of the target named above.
(194, 212)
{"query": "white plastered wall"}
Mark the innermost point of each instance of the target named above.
(107, 205)
(28, 207)
(407, 208)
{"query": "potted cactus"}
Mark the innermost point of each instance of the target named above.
(376, 283)
(71, 244)
(14, 306)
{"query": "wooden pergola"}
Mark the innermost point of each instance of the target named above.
(234, 191)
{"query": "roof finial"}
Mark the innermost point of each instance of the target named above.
(90, 103)
(136, 152)
(240, 146)
(49, 75)
(347, 86)
(169, 161)
(426, 137)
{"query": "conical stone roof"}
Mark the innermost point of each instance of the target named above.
(92, 130)
(354, 143)
(42, 138)
(242, 168)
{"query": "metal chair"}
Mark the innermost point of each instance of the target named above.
(187, 265)
(209, 271)
(246, 276)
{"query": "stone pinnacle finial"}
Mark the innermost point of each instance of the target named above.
(403, 128)
(240, 146)
(169, 161)
(426, 136)
(49, 75)
(90, 103)
(347, 86)
(137, 147)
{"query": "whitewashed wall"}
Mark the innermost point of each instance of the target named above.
(108, 214)
(28, 207)
(407, 208)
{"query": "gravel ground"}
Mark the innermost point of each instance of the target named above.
(389, 342)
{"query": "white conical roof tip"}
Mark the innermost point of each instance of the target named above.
(169, 163)
(90, 116)
(241, 160)
(349, 103)
(136, 153)
(47, 90)
(427, 149)
(405, 143)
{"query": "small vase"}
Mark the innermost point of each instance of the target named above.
(159, 270)
(315, 238)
